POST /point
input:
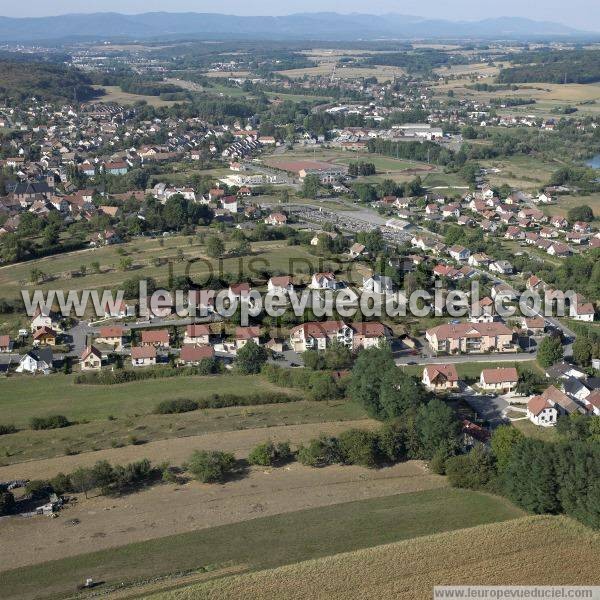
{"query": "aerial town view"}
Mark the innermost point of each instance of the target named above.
(299, 301)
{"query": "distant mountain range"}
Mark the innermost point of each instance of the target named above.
(305, 26)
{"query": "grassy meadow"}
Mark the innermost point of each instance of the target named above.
(523, 551)
(266, 542)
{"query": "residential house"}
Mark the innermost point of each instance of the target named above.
(500, 379)
(6, 344)
(318, 335)
(111, 336)
(40, 360)
(143, 356)
(533, 325)
(237, 290)
(501, 266)
(514, 233)
(91, 359)
(541, 412)
(378, 284)
(44, 318)
(44, 336)
(368, 334)
(440, 377)
(280, 285)
(118, 310)
(539, 407)
(580, 310)
(559, 249)
(356, 250)
(323, 281)
(157, 338)
(564, 370)
(479, 259)
(197, 334)
(459, 253)
(244, 334)
(471, 338)
(483, 311)
(592, 403)
(276, 219)
(582, 227)
(191, 354)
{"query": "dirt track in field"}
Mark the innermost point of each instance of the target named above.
(177, 450)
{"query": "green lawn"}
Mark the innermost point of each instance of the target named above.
(266, 542)
(24, 397)
(472, 370)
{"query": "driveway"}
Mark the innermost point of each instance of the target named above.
(487, 406)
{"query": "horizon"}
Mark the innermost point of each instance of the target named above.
(467, 11)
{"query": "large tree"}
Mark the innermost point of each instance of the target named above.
(437, 429)
(250, 358)
(549, 351)
(367, 377)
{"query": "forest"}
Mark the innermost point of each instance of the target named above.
(47, 81)
(568, 66)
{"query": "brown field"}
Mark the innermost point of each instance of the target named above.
(325, 68)
(169, 509)
(479, 69)
(523, 551)
(226, 74)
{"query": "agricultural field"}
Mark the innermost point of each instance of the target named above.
(325, 68)
(269, 541)
(113, 93)
(565, 203)
(548, 96)
(518, 552)
(520, 172)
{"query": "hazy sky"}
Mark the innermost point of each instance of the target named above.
(584, 14)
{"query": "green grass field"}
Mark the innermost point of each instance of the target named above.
(266, 542)
(522, 551)
(108, 416)
(274, 256)
(24, 397)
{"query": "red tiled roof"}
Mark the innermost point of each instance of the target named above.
(197, 330)
(43, 331)
(500, 375)
(110, 332)
(155, 336)
(537, 404)
(138, 352)
(459, 330)
(246, 333)
(449, 372)
(192, 353)
(372, 329)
